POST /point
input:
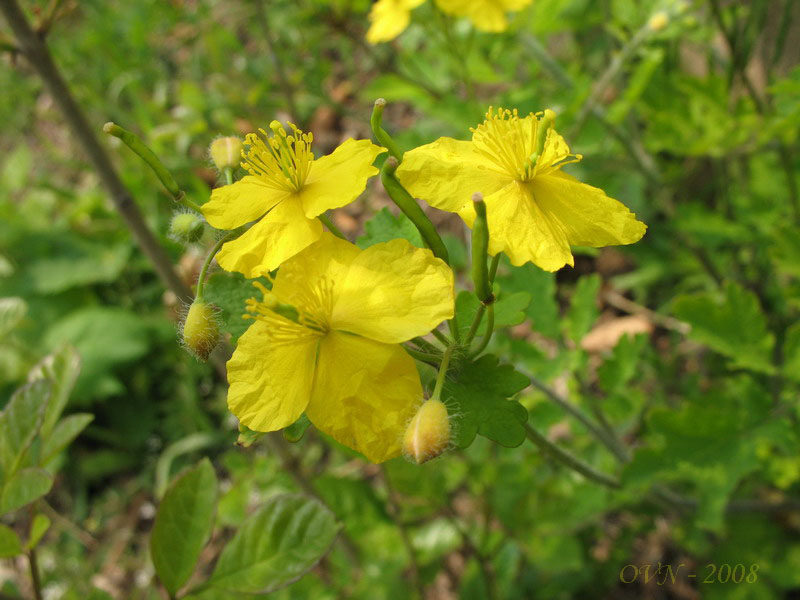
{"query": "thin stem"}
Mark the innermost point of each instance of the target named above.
(34, 49)
(431, 359)
(381, 135)
(489, 331)
(35, 579)
(326, 220)
(476, 322)
(228, 176)
(201, 279)
(493, 267)
(394, 512)
(441, 337)
(425, 345)
(569, 460)
(613, 445)
(442, 374)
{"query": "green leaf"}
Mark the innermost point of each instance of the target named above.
(509, 310)
(75, 262)
(66, 430)
(183, 524)
(541, 286)
(735, 327)
(62, 368)
(39, 526)
(12, 311)
(229, 292)
(19, 423)
(477, 394)
(275, 546)
(791, 352)
(385, 226)
(105, 338)
(10, 544)
(583, 311)
(26, 486)
(621, 366)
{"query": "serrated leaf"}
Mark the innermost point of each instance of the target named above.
(62, 368)
(10, 544)
(583, 311)
(275, 546)
(19, 423)
(229, 292)
(478, 394)
(735, 327)
(26, 486)
(183, 525)
(12, 311)
(621, 366)
(66, 430)
(541, 286)
(39, 526)
(509, 310)
(385, 226)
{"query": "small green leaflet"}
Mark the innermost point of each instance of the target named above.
(384, 226)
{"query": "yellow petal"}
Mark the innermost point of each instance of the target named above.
(365, 393)
(447, 172)
(232, 206)
(339, 178)
(486, 15)
(587, 215)
(270, 381)
(389, 18)
(521, 229)
(329, 258)
(393, 292)
(281, 234)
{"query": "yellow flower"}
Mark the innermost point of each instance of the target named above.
(486, 15)
(388, 19)
(326, 341)
(286, 190)
(535, 211)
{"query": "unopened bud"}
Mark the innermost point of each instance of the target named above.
(201, 329)
(226, 152)
(658, 21)
(186, 226)
(428, 433)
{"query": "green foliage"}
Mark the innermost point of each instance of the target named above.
(275, 546)
(183, 524)
(384, 226)
(735, 327)
(10, 545)
(478, 395)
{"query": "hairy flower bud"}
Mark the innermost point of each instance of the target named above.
(658, 21)
(200, 329)
(186, 226)
(226, 152)
(428, 433)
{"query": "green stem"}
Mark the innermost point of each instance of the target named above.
(326, 220)
(201, 279)
(423, 356)
(383, 138)
(476, 322)
(442, 374)
(425, 345)
(228, 175)
(486, 336)
(441, 337)
(412, 210)
(493, 267)
(569, 460)
(133, 142)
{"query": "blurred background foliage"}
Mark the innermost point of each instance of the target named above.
(685, 347)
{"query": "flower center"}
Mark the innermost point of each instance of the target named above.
(281, 160)
(521, 147)
(309, 315)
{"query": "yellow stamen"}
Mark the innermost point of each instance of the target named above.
(281, 160)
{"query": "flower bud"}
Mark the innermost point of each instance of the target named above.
(186, 226)
(226, 152)
(200, 329)
(428, 433)
(658, 21)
